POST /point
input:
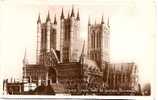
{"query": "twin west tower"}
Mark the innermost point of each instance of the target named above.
(66, 69)
(98, 39)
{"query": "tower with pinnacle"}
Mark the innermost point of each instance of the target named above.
(98, 42)
(46, 37)
(69, 37)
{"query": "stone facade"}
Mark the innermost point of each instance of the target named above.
(121, 76)
(46, 37)
(98, 42)
(69, 37)
(67, 66)
(49, 59)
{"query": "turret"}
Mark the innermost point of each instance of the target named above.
(25, 60)
(38, 50)
(39, 19)
(53, 34)
(89, 21)
(105, 42)
(62, 14)
(62, 27)
(102, 20)
(68, 15)
(55, 21)
(48, 18)
(78, 16)
(72, 12)
(72, 17)
(48, 25)
(38, 23)
(77, 21)
(102, 23)
(89, 37)
(108, 24)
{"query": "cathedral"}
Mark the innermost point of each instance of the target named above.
(70, 66)
(57, 66)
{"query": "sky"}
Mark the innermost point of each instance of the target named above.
(132, 37)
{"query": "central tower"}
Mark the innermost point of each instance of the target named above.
(69, 37)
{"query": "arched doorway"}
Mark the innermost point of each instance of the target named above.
(52, 75)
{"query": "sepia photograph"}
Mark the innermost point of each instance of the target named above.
(77, 48)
